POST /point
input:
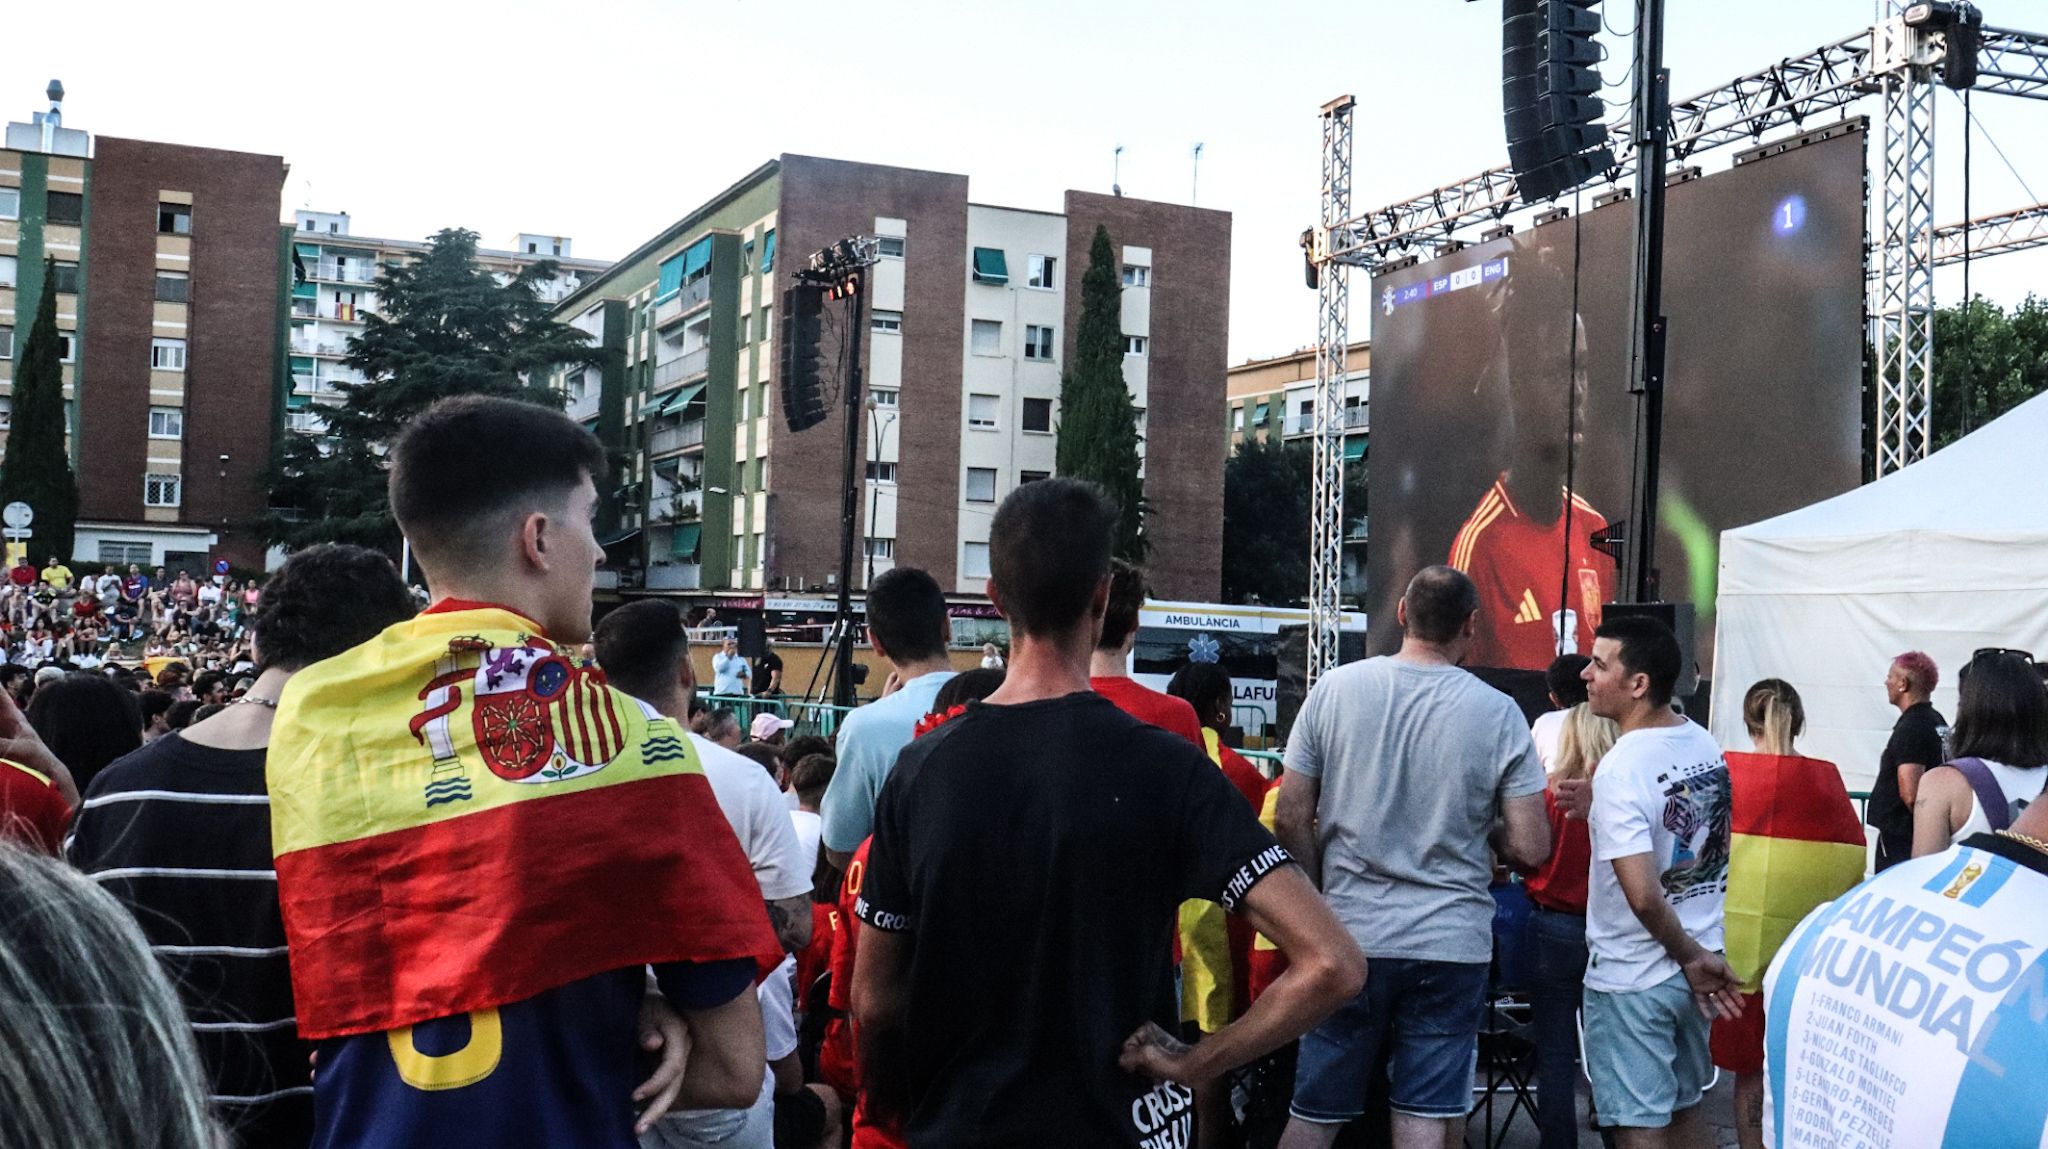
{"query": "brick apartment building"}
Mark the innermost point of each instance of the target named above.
(971, 315)
(171, 300)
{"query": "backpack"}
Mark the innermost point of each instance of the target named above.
(1990, 797)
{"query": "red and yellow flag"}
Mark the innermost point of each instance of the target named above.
(464, 816)
(1796, 842)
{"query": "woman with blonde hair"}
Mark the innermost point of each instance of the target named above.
(1795, 842)
(94, 1046)
(1557, 923)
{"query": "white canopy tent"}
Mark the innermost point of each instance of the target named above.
(1946, 556)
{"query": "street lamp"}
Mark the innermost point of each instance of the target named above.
(880, 428)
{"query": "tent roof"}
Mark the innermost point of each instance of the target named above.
(1986, 483)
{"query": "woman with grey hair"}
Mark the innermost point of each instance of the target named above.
(94, 1047)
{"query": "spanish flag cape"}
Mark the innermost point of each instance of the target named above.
(465, 816)
(1796, 842)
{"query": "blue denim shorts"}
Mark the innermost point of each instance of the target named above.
(1423, 1017)
(1646, 1053)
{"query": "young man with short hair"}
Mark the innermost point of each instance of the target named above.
(1005, 1003)
(1109, 669)
(907, 626)
(1405, 776)
(645, 651)
(179, 831)
(1656, 979)
(481, 847)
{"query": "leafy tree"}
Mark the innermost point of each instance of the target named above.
(1268, 493)
(1986, 362)
(1098, 430)
(37, 470)
(443, 326)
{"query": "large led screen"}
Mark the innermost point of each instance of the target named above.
(1503, 425)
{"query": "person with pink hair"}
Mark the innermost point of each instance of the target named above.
(1917, 745)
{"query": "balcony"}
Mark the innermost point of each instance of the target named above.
(674, 576)
(676, 506)
(1355, 419)
(682, 367)
(353, 271)
(667, 439)
(681, 301)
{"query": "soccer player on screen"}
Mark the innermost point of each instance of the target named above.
(1527, 545)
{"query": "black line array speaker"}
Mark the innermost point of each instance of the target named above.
(803, 322)
(1550, 95)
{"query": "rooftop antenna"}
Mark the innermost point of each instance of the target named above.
(1195, 182)
(1116, 186)
(55, 118)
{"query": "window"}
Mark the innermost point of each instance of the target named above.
(1042, 269)
(886, 396)
(1038, 415)
(64, 347)
(10, 203)
(976, 561)
(889, 321)
(1037, 342)
(8, 267)
(161, 491)
(166, 423)
(167, 354)
(881, 472)
(1134, 345)
(6, 412)
(1237, 418)
(533, 249)
(990, 266)
(1024, 477)
(334, 228)
(1137, 276)
(576, 387)
(890, 247)
(981, 412)
(746, 259)
(309, 225)
(65, 278)
(987, 337)
(881, 548)
(67, 208)
(6, 342)
(981, 484)
(118, 553)
(746, 328)
(173, 287)
(768, 252)
(176, 219)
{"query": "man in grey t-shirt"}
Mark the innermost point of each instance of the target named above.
(1400, 773)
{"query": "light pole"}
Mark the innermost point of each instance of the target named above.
(881, 429)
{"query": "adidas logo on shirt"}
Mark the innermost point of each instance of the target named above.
(1529, 611)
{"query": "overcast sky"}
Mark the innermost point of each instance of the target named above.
(605, 120)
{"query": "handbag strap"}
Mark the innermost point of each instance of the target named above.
(1990, 797)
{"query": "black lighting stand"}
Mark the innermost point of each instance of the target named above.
(841, 270)
(1651, 126)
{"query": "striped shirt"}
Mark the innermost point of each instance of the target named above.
(180, 833)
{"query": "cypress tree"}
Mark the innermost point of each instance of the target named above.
(37, 469)
(1098, 430)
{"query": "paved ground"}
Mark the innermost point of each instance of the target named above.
(1520, 1132)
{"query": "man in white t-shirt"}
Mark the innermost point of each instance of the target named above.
(1567, 686)
(1659, 822)
(645, 652)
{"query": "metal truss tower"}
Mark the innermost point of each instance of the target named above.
(1333, 311)
(1905, 292)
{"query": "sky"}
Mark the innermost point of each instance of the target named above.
(606, 120)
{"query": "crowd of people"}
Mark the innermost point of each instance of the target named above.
(53, 616)
(452, 876)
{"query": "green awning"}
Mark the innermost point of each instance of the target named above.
(1259, 414)
(684, 545)
(989, 265)
(1354, 448)
(681, 399)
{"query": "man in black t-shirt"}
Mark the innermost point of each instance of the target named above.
(1916, 747)
(767, 672)
(1015, 986)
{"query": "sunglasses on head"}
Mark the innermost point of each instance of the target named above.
(2025, 656)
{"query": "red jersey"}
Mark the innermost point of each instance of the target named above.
(32, 812)
(1515, 562)
(1150, 706)
(837, 1061)
(1560, 883)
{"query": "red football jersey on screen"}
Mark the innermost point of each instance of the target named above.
(1520, 567)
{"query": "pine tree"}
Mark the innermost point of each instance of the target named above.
(443, 326)
(1098, 430)
(37, 470)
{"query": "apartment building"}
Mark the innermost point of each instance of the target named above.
(169, 281)
(334, 287)
(1276, 399)
(970, 314)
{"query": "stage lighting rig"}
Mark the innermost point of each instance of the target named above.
(1961, 26)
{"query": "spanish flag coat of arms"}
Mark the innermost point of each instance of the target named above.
(464, 815)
